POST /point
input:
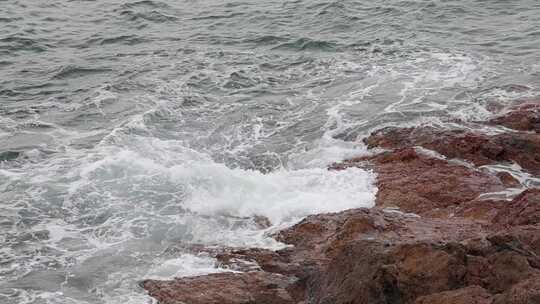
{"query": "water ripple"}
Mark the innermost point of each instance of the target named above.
(131, 126)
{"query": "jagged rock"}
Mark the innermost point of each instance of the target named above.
(523, 117)
(523, 210)
(422, 184)
(460, 144)
(366, 256)
(222, 288)
(479, 149)
(525, 292)
(467, 295)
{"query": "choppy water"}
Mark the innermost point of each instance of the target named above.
(128, 127)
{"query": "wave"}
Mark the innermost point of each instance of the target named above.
(266, 39)
(123, 39)
(72, 71)
(212, 17)
(135, 196)
(17, 43)
(146, 4)
(307, 44)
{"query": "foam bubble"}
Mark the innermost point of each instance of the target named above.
(185, 265)
(281, 196)
(326, 151)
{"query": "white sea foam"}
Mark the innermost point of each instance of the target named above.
(326, 151)
(185, 265)
(213, 188)
(281, 196)
(171, 172)
(525, 179)
(122, 204)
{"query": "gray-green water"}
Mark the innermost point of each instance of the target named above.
(128, 127)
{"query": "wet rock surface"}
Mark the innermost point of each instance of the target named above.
(415, 182)
(476, 148)
(250, 287)
(445, 229)
(524, 117)
(467, 295)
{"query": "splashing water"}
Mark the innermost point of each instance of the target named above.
(129, 129)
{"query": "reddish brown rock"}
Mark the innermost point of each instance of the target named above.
(523, 210)
(524, 240)
(480, 210)
(523, 117)
(508, 180)
(222, 288)
(522, 148)
(501, 270)
(468, 295)
(367, 256)
(461, 144)
(524, 292)
(422, 184)
(253, 259)
(479, 149)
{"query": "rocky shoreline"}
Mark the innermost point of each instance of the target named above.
(450, 225)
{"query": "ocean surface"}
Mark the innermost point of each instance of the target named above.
(131, 130)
